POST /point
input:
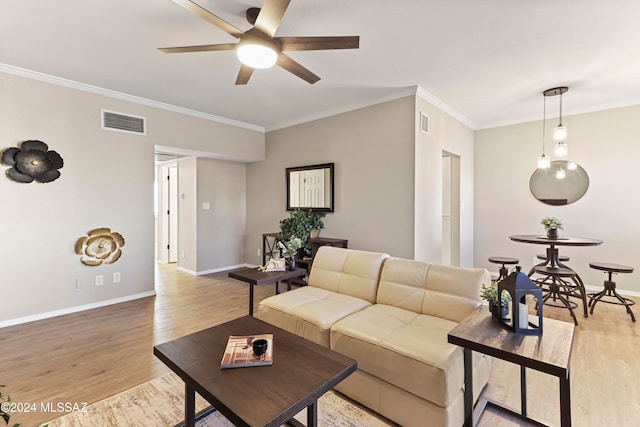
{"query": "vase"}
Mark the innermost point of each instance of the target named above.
(313, 234)
(552, 233)
(291, 264)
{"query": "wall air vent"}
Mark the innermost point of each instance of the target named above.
(424, 123)
(121, 122)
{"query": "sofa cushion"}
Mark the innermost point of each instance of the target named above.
(347, 271)
(404, 348)
(309, 311)
(437, 290)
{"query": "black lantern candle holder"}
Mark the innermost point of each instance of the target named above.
(519, 286)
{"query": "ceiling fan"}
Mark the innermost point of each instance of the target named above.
(258, 47)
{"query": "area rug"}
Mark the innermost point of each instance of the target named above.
(160, 402)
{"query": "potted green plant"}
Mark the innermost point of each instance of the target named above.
(490, 294)
(299, 224)
(552, 224)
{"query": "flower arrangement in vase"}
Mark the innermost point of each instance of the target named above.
(552, 224)
(289, 249)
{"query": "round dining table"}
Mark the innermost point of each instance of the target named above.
(557, 272)
(552, 250)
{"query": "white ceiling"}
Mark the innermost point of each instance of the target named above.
(487, 60)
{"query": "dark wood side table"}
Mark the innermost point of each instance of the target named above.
(255, 277)
(549, 353)
(261, 395)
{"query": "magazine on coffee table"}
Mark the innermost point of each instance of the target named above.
(239, 352)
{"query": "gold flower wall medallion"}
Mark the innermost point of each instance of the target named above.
(100, 246)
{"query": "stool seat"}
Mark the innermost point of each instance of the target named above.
(559, 284)
(607, 266)
(554, 271)
(610, 287)
(503, 260)
(561, 258)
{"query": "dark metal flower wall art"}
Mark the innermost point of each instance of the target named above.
(32, 161)
(100, 246)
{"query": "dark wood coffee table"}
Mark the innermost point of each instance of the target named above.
(255, 277)
(302, 371)
(549, 353)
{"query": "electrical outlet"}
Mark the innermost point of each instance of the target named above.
(182, 253)
(258, 252)
(99, 280)
(116, 277)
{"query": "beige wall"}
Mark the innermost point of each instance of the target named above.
(107, 181)
(445, 134)
(373, 152)
(388, 178)
(211, 239)
(221, 228)
(607, 145)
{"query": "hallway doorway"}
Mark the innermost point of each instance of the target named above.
(450, 209)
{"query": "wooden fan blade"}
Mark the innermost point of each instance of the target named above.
(244, 75)
(319, 43)
(210, 17)
(294, 67)
(203, 48)
(270, 16)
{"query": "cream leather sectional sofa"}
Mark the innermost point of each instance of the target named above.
(392, 315)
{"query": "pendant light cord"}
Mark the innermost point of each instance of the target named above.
(544, 121)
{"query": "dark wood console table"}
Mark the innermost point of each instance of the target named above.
(270, 244)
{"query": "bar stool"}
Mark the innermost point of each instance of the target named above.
(504, 271)
(556, 285)
(610, 287)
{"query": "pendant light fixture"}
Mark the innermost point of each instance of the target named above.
(559, 132)
(544, 162)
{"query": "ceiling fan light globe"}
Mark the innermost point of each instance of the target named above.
(256, 55)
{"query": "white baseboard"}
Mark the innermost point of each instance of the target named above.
(54, 313)
(214, 270)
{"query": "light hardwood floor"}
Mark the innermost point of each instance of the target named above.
(88, 356)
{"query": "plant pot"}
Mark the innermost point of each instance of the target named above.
(498, 311)
(552, 233)
(493, 308)
(313, 234)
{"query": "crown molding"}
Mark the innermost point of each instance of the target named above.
(429, 97)
(23, 72)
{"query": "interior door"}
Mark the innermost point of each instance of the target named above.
(173, 214)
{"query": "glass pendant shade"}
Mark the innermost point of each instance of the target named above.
(544, 162)
(560, 133)
(257, 55)
(561, 174)
(561, 149)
